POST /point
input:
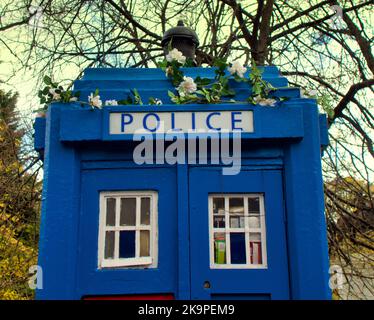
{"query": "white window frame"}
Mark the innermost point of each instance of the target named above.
(137, 261)
(246, 230)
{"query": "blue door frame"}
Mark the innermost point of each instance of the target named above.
(270, 283)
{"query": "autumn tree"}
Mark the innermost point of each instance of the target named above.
(19, 205)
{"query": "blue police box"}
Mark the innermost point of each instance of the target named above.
(120, 227)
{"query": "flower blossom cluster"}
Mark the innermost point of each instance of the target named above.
(176, 55)
(264, 101)
(187, 86)
(95, 101)
(237, 68)
(55, 95)
(111, 102)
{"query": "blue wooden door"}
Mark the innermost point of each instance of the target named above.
(244, 274)
(158, 280)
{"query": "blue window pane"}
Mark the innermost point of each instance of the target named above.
(237, 246)
(127, 244)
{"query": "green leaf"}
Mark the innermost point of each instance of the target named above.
(171, 94)
(189, 63)
(96, 93)
(202, 81)
(162, 64)
(47, 80)
(126, 101)
(151, 100)
(46, 90)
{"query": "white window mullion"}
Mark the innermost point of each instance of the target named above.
(211, 230)
(116, 261)
(227, 232)
(137, 224)
(246, 230)
(263, 231)
(116, 234)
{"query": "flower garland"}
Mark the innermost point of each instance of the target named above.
(204, 90)
(188, 90)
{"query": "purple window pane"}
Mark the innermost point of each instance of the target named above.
(237, 246)
(127, 244)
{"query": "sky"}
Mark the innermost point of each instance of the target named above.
(25, 82)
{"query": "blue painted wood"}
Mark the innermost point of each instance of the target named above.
(59, 216)
(152, 82)
(146, 93)
(273, 281)
(158, 74)
(81, 160)
(307, 240)
(184, 285)
(39, 133)
(163, 279)
(283, 122)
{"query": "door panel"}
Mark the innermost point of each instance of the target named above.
(123, 281)
(267, 283)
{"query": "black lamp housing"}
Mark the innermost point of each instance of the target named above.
(182, 38)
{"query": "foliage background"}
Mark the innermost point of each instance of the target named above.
(321, 45)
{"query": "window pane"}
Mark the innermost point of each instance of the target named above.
(254, 205)
(110, 211)
(255, 248)
(218, 205)
(237, 221)
(109, 245)
(145, 211)
(236, 205)
(256, 236)
(254, 221)
(127, 244)
(128, 212)
(219, 248)
(144, 243)
(237, 246)
(219, 221)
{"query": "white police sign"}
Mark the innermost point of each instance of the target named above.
(183, 121)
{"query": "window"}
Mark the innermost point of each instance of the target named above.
(237, 231)
(128, 229)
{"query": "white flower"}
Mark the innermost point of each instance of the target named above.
(175, 54)
(264, 102)
(73, 99)
(187, 86)
(55, 95)
(308, 94)
(237, 68)
(312, 93)
(111, 103)
(158, 101)
(94, 101)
